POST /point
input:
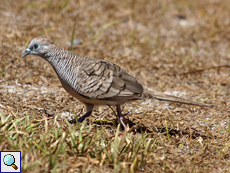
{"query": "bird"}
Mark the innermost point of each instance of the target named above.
(96, 81)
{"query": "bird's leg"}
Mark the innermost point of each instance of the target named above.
(89, 109)
(82, 118)
(121, 116)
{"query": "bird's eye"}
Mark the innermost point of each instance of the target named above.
(36, 46)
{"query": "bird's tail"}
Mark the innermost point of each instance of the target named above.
(170, 98)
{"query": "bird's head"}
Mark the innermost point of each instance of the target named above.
(38, 46)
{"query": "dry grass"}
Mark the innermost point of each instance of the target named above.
(178, 47)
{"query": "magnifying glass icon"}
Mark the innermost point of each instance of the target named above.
(9, 160)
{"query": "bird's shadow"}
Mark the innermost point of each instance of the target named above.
(137, 128)
(140, 128)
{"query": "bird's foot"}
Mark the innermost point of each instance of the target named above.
(81, 119)
(123, 120)
(73, 121)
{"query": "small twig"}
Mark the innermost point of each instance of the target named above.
(12, 111)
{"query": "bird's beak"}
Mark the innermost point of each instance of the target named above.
(26, 52)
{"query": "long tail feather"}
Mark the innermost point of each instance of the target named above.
(170, 98)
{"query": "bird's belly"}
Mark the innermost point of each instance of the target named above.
(83, 99)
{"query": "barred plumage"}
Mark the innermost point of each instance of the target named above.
(95, 81)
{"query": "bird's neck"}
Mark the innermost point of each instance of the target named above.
(65, 64)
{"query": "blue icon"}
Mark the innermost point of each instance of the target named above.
(9, 160)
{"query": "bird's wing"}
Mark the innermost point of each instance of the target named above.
(101, 79)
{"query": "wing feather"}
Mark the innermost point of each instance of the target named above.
(100, 79)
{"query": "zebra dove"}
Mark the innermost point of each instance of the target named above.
(95, 81)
